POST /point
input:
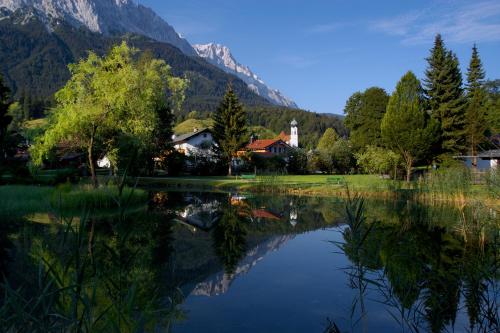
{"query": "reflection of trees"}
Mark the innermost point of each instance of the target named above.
(229, 240)
(94, 277)
(424, 270)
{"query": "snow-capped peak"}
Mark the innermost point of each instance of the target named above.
(104, 16)
(220, 56)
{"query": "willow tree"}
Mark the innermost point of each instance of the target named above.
(406, 128)
(117, 96)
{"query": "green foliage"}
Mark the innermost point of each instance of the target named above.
(492, 89)
(476, 125)
(297, 162)
(230, 127)
(364, 113)
(328, 139)
(445, 96)
(35, 62)
(406, 127)
(377, 160)
(189, 125)
(335, 153)
(311, 125)
(109, 103)
(5, 117)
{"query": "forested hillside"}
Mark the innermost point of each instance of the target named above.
(34, 64)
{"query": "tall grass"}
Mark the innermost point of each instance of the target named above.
(81, 284)
(18, 200)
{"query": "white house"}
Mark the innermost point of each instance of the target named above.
(196, 142)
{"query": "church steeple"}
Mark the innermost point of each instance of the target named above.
(294, 134)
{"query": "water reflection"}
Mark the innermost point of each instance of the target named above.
(422, 273)
(166, 267)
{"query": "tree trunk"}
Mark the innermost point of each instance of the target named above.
(90, 155)
(230, 168)
(474, 155)
(409, 164)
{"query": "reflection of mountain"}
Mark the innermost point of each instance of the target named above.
(220, 282)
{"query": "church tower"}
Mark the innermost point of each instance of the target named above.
(294, 134)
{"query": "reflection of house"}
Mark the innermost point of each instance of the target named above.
(264, 214)
(203, 215)
(199, 141)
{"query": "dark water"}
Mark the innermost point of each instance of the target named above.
(230, 263)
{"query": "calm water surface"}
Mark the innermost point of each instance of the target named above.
(236, 263)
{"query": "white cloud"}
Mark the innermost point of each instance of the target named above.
(457, 22)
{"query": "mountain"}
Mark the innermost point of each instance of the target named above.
(34, 61)
(221, 57)
(109, 17)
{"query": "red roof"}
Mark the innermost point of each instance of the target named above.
(262, 213)
(262, 144)
(283, 136)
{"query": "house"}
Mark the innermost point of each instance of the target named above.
(493, 156)
(271, 147)
(275, 147)
(196, 142)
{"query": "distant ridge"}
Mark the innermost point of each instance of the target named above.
(221, 56)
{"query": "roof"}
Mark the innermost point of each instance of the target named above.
(262, 213)
(263, 144)
(490, 154)
(185, 137)
(283, 136)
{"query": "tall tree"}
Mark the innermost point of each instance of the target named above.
(364, 113)
(476, 105)
(108, 101)
(230, 127)
(5, 118)
(406, 128)
(492, 89)
(444, 91)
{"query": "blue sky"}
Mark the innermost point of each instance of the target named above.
(319, 52)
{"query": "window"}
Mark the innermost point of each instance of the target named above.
(204, 135)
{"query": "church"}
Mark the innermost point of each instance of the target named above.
(278, 146)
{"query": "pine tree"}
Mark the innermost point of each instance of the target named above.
(230, 127)
(476, 125)
(445, 95)
(5, 118)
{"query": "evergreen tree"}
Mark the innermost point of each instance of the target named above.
(476, 105)
(230, 127)
(446, 102)
(406, 128)
(5, 118)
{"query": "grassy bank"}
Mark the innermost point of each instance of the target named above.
(21, 200)
(449, 188)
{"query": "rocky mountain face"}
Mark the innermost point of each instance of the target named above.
(103, 16)
(221, 57)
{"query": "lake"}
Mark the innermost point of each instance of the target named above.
(229, 262)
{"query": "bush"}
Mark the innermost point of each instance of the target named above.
(376, 160)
